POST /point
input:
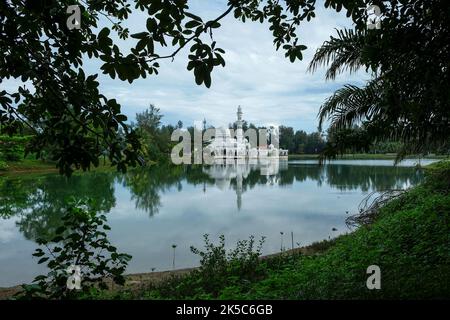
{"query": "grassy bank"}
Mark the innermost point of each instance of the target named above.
(409, 240)
(31, 165)
(28, 165)
(361, 156)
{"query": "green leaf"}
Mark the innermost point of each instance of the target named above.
(42, 260)
(104, 33)
(57, 239)
(140, 35)
(207, 79)
(193, 16)
(38, 254)
(192, 24)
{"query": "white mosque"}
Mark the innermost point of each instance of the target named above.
(224, 146)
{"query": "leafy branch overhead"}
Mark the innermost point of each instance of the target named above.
(64, 107)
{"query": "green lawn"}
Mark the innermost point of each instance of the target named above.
(30, 165)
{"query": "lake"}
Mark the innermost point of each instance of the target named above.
(153, 208)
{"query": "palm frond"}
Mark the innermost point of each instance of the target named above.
(339, 53)
(352, 104)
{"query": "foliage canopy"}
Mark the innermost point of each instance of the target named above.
(64, 106)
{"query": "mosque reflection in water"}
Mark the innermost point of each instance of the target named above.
(223, 172)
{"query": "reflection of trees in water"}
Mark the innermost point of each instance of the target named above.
(345, 177)
(342, 177)
(40, 200)
(147, 184)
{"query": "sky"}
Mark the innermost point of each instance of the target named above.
(270, 89)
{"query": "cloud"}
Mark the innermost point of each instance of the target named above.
(8, 230)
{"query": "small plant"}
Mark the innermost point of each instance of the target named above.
(80, 257)
(292, 240)
(3, 165)
(13, 148)
(281, 244)
(219, 268)
(174, 246)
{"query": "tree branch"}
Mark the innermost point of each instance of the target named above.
(196, 34)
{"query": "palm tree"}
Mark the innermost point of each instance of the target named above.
(387, 107)
(341, 53)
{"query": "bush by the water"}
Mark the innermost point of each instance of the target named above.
(13, 148)
(218, 270)
(80, 245)
(3, 165)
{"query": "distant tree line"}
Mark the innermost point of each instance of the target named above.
(299, 141)
(156, 143)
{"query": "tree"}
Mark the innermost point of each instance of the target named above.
(314, 143)
(154, 138)
(301, 139)
(64, 106)
(287, 138)
(407, 100)
(149, 120)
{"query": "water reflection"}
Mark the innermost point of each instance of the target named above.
(237, 171)
(39, 200)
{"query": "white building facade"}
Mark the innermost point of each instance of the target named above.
(226, 146)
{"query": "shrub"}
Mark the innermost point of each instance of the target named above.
(80, 242)
(13, 148)
(438, 176)
(218, 269)
(3, 165)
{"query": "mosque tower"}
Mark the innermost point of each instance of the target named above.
(239, 131)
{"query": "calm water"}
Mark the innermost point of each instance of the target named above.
(151, 209)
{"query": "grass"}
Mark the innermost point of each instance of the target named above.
(409, 240)
(27, 165)
(31, 165)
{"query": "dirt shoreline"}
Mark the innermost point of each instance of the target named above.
(135, 281)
